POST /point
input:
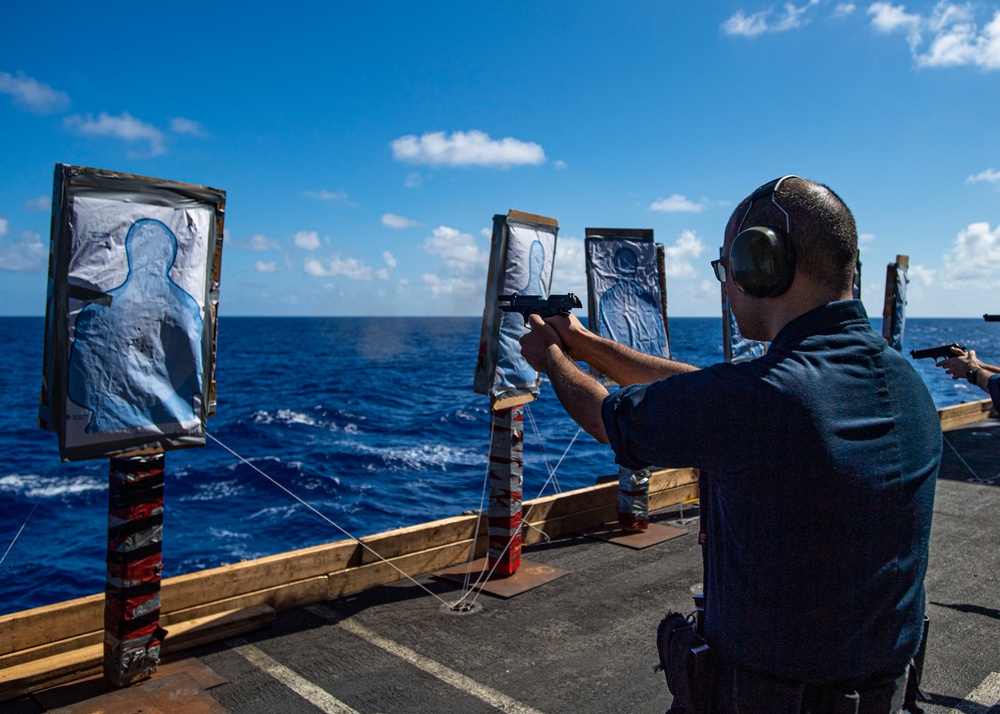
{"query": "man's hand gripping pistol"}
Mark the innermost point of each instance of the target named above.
(538, 305)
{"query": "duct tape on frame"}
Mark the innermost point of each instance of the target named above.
(131, 314)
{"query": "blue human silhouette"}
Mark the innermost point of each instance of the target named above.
(512, 369)
(628, 310)
(137, 361)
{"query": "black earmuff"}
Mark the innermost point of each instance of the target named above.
(761, 262)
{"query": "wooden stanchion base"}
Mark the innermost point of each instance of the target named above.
(654, 534)
(178, 687)
(528, 577)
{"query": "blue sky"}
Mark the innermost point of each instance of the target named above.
(365, 147)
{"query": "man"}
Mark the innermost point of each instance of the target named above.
(820, 460)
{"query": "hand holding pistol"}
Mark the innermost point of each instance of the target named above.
(940, 352)
(538, 305)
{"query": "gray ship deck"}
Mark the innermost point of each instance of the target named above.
(581, 643)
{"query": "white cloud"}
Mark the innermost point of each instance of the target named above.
(559, 164)
(974, 260)
(414, 180)
(450, 286)
(307, 240)
(956, 40)
(261, 242)
(677, 261)
(569, 270)
(863, 240)
(4, 225)
(473, 148)
(325, 195)
(394, 221)
(458, 250)
(921, 274)
(42, 203)
(180, 125)
(32, 95)
(844, 9)
(887, 17)
(792, 16)
(25, 255)
(678, 204)
(124, 127)
(989, 176)
(266, 267)
(389, 258)
(351, 268)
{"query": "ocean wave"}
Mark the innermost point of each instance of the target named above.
(212, 490)
(282, 416)
(419, 458)
(36, 486)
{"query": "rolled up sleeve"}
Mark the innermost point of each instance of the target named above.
(615, 412)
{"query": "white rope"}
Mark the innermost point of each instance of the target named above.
(332, 523)
(479, 520)
(975, 478)
(30, 514)
(541, 447)
(524, 517)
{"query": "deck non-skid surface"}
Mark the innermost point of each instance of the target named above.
(585, 642)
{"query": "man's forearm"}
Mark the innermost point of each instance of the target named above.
(580, 394)
(623, 364)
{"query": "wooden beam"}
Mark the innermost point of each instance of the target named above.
(964, 414)
(63, 667)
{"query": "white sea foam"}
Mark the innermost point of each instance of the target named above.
(422, 457)
(283, 416)
(35, 486)
(213, 490)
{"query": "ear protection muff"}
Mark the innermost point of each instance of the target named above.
(761, 263)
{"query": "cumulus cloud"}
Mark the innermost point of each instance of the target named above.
(790, 17)
(954, 38)
(180, 125)
(124, 127)
(678, 204)
(987, 176)
(920, 274)
(458, 250)
(678, 257)
(974, 260)
(42, 203)
(394, 221)
(27, 254)
(844, 9)
(389, 258)
(307, 240)
(569, 269)
(335, 266)
(325, 195)
(437, 285)
(266, 266)
(261, 242)
(473, 148)
(30, 94)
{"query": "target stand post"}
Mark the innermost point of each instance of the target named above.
(132, 632)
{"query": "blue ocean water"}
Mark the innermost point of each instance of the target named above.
(370, 420)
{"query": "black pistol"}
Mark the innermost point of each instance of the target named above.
(537, 305)
(941, 351)
(991, 318)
